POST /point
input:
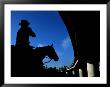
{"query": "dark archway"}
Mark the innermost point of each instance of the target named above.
(84, 31)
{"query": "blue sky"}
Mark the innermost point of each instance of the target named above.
(49, 28)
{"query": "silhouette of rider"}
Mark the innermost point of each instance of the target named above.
(23, 34)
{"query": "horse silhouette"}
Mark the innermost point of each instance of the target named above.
(29, 62)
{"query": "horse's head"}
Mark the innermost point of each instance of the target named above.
(51, 53)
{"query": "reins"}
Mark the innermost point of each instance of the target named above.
(48, 61)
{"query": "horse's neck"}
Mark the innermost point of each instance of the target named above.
(42, 53)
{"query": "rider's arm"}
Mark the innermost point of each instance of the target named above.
(31, 32)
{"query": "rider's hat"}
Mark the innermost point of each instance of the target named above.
(24, 22)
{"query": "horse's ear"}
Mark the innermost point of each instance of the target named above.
(52, 45)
